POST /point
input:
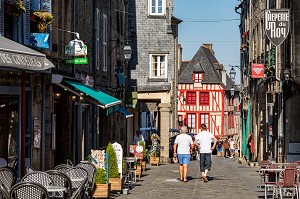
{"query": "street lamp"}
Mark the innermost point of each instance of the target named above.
(127, 52)
(232, 91)
(286, 74)
(232, 73)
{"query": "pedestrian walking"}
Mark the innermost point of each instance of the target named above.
(138, 137)
(219, 147)
(183, 146)
(204, 139)
(226, 148)
(231, 147)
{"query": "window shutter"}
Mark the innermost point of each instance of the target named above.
(26, 23)
(2, 17)
(35, 5)
(46, 5)
(97, 61)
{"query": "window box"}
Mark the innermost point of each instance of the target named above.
(40, 20)
(15, 8)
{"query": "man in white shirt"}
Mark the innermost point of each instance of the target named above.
(204, 140)
(138, 137)
(183, 146)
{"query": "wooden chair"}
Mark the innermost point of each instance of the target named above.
(24, 190)
(8, 178)
(288, 183)
(62, 180)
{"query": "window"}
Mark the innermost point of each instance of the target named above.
(180, 120)
(157, 7)
(158, 64)
(204, 119)
(97, 47)
(191, 98)
(231, 119)
(197, 77)
(105, 41)
(204, 98)
(191, 123)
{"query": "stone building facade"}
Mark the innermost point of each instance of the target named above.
(271, 98)
(153, 68)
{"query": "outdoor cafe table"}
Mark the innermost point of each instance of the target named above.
(273, 170)
(129, 161)
(54, 189)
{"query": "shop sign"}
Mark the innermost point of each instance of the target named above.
(119, 153)
(137, 151)
(258, 71)
(76, 48)
(277, 23)
(76, 61)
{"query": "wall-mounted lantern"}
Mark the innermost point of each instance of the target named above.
(127, 52)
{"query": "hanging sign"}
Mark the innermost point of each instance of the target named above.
(77, 60)
(277, 23)
(76, 48)
(258, 71)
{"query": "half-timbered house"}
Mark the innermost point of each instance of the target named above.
(204, 95)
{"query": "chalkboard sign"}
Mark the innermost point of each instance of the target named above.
(119, 153)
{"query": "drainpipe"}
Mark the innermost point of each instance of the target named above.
(43, 123)
(280, 118)
(94, 107)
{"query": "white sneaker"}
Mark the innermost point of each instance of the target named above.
(230, 157)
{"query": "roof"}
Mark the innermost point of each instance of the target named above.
(203, 61)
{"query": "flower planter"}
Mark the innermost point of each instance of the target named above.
(102, 190)
(154, 160)
(138, 171)
(116, 184)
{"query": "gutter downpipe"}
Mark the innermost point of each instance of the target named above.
(280, 119)
(250, 61)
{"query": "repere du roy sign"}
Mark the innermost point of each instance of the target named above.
(277, 25)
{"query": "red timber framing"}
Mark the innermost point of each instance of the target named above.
(214, 109)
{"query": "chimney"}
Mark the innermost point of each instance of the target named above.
(210, 47)
(223, 72)
(179, 56)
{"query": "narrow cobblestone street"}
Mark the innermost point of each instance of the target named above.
(227, 179)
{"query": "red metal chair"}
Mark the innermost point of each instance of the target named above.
(270, 180)
(288, 184)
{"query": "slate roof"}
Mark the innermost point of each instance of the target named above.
(204, 61)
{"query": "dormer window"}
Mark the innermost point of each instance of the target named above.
(198, 77)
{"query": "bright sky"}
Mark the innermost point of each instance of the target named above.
(210, 21)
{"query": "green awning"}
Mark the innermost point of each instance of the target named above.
(100, 97)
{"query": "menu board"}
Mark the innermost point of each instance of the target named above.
(119, 153)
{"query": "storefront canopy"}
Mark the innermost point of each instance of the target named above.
(16, 56)
(124, 112)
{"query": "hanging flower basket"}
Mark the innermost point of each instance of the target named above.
(41, 20)
(14, 8)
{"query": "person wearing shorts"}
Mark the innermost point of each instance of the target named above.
(183, 146)
(204, 140)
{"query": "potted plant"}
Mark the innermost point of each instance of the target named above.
(154, 158)
(41, 20)
(144, 156)
(113, 171)
(102, 188)
(15, 8)
(138, 168)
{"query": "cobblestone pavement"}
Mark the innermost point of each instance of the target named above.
(227, 179)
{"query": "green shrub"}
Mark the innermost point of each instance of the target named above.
(100, 176)
(113, 171)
